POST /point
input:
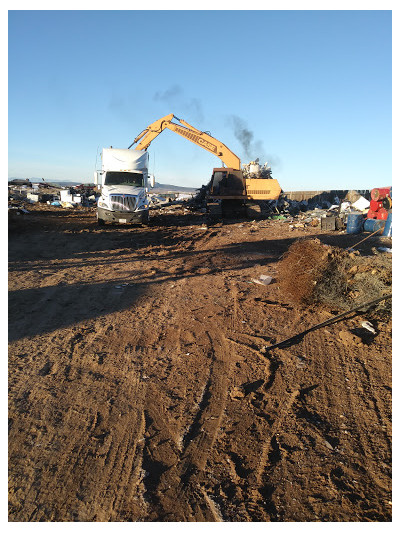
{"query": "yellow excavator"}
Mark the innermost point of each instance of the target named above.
(229, 187)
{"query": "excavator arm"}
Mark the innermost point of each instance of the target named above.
(201, 138)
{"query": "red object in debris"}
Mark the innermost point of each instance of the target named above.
(372, 214)
(380, 193)
(382, 214)
(375, 205)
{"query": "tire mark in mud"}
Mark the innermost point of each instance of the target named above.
(269, 455)
(211, 408)
(363, 443)
(328, 419)
(370, 389)
(88, 439)
(272, 402)
(234, 315)
(259, 489)
(215, 512)
(188, 452)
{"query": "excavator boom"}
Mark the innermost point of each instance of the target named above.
(200, 138)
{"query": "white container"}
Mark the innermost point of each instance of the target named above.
(65, 195)
(254, 168)
(32, 197)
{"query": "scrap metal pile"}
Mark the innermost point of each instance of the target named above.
(255, 170)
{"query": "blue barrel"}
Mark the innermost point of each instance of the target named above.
(387, 232)
(354, 223)
(372, 224)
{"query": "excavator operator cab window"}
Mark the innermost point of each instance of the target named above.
(234, 182)
(219, 180)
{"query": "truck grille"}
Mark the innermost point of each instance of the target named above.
(123, 202)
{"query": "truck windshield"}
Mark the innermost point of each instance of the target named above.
(124, 178)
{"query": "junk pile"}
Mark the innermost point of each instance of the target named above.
(157, 200)
(354, 212)
(70, 198)
(255, 170)
(314, 273)
(21, 192)
(374, 218)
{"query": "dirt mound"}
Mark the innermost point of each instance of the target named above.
(315, 273)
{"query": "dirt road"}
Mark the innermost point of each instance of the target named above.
(139, 390)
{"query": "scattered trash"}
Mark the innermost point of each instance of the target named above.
(32, 198)
(19, 210)
(368, 326)
(262, 280)
(362, 204)
(328, 223)
(383, 249)
(66, 196)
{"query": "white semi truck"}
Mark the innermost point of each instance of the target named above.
(124, 184)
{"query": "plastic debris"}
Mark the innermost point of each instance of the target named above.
(262, 280)
(361, 204)
(345, 207)
(367, 325)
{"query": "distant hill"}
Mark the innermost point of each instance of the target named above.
(66, 183)
(164, 187)
(17, 181)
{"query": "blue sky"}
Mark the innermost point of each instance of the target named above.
(312, 87)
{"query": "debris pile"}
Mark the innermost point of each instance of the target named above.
(314, 273)
(21, 192)
(255, 170)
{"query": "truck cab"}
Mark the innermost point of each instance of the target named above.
(124, 184)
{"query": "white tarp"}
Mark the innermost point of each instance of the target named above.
(123, 160)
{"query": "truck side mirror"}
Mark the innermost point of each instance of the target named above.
(152, 181)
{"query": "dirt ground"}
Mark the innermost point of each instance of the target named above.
(140, 389)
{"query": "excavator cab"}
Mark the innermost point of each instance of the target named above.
(227, 182)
